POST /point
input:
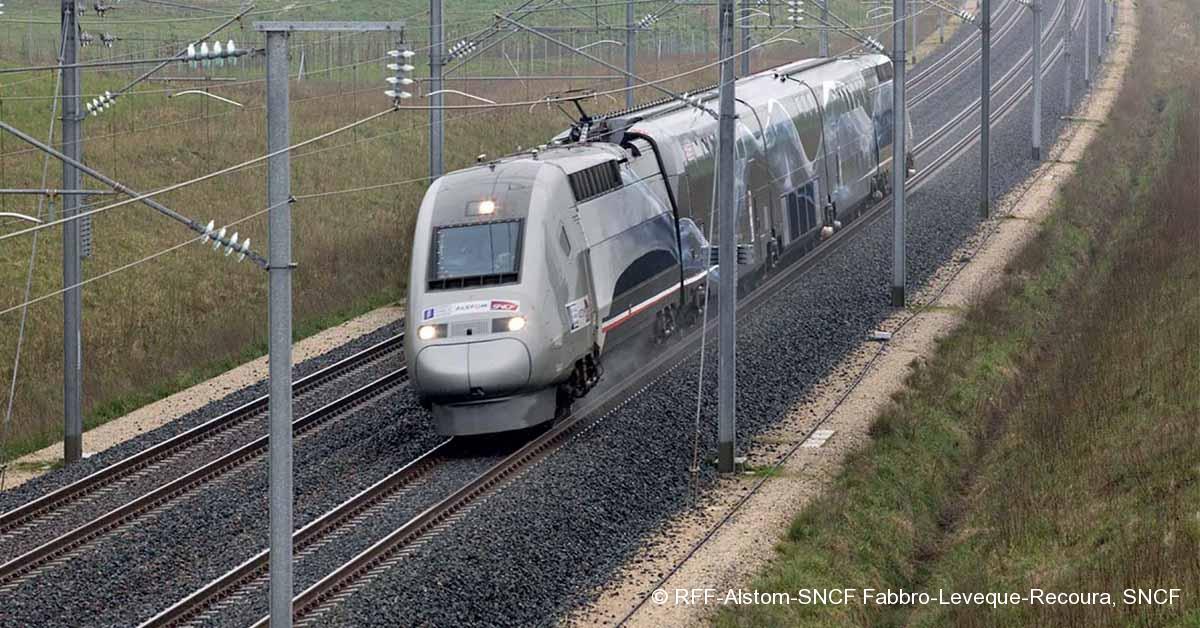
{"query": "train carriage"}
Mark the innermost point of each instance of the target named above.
(528, 270)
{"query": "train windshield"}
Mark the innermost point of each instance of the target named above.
(471, 255)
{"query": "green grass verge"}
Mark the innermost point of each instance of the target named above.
(1052, 441)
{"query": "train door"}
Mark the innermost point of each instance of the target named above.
(800, 213)
(755, 210)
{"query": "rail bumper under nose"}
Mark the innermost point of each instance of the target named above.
(472, 369)
(495, 415)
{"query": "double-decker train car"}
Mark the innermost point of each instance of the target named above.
(529, 269)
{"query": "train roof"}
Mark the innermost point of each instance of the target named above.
(576, 156)
(667, 105)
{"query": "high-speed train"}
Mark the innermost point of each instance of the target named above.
(527, 268)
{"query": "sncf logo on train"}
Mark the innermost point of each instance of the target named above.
(470, 307)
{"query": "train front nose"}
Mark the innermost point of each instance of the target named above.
(480, 369)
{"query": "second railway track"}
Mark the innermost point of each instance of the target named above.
(46, 528)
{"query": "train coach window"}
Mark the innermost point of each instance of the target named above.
(792, 201)
(884, 71)
(476, 255)
(801, 209)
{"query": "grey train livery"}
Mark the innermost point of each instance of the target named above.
(527, 269)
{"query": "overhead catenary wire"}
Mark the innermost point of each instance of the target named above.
(375, 116)
(256, 81)
(342, 129)
(125, 267)
(298, 197)
(174, 20)
(176, 186)
(255, 214)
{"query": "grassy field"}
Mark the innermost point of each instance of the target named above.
(1053, 440)
(162, 325)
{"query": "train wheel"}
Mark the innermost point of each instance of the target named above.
(564, 400)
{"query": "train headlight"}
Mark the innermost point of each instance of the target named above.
(485, 207)
(427, 332)
(512, 323)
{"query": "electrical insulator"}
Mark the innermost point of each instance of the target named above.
(795, 11)
(205, 55)
(463, 47)
(402, 69)
(218, 239)
(98, 104)
(648, 21)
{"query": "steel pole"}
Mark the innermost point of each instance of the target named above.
(915, 9)
(1099, 30)
(744, 23)
(727, 231)
(823, 35)
(630, 53)
(279, 227)
(1036, 7)
(899, 156)
(437, 137)
(1069, 72)
(1087, 42)
(72, 137)
(985, 112)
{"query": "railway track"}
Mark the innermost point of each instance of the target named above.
(193, 458)
(1007, 16)
(929, 69)
(1011, 19)
(315, 601)
(1002, 84)
(253, 574)
(326, 593)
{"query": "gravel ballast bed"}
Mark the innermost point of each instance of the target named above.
(58, 478)
(539, 547)
(132, 575)
(446, 479)
(123, 491)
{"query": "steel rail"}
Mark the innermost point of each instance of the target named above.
(321, 594)
(1000, 85)
(127, 467)
(804, 436)
(17, 568)
(326, 592)
(969, 44)
(248, 572)
(1014, 20)
(1047, 35)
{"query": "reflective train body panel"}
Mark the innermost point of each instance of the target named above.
(527, 269)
